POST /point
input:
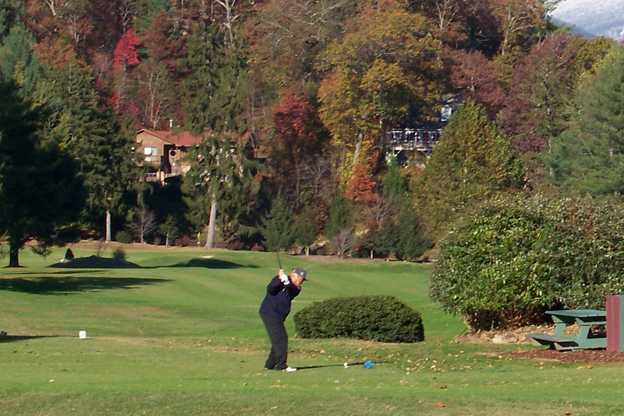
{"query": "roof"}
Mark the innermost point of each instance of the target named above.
(183, 138)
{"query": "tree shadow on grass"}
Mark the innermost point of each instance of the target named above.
(213, 264)
(95, 262)
(16, 338)
(64, 272)
(67, 285)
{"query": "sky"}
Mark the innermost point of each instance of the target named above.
(592, 17)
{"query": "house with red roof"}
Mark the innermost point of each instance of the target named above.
(164, 152)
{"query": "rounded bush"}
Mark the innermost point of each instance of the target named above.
(518, 257)
(376, 318)
(123, 237)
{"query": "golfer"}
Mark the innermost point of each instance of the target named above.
(274, 310)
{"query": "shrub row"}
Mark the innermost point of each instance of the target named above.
(377, 318)
(518, 257)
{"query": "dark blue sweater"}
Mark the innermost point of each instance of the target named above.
(278, 298)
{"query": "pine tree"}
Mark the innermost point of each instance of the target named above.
(92, 138)
(40, 191)
(221, 175)
(18, 61)
(306, 227)
(278, 228)
(589, 156)
(202, 63)
(215, 94)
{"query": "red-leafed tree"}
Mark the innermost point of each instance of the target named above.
(125, 57)
(126, 54)
(155, 75)
(478, 78)
(299, 137)
(361, 187)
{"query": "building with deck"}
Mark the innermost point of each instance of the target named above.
(164, 152)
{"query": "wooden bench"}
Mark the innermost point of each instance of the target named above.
(591, 332)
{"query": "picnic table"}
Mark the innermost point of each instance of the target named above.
(591, 330)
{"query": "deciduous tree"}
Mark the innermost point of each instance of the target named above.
(386, 72)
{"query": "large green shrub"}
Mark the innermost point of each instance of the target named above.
(517, 257)
(377, 318)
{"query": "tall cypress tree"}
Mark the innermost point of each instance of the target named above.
(589, 156)
(40, 191)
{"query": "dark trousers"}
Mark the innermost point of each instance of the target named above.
(279, 342)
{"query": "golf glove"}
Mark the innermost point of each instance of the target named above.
(284, 278)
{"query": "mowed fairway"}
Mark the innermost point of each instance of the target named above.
(181, 336)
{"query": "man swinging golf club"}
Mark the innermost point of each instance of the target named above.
(274, 310)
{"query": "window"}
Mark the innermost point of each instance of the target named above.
(150, 151)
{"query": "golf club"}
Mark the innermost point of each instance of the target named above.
(345, 365)
(279, 261)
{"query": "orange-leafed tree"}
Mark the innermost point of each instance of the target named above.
(361, 186)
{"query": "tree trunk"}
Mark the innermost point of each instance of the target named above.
(14, 254)
(108, 226)
(372, 254)
(167, 240)
(356, 153)
(307, 250)
(212, 223)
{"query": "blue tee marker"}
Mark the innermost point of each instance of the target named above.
(369, 364)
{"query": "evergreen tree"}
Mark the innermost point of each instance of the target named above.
(202, 62)
(169, 229)
(40, 192)
(411, 239)
(589, 155)
(306, 227)
(221, 175)
(472, 161)
(9, 13)
(17, 59)
(215, 92)
(340, 216)
(395, 186)
(278, 228)
(93, 139)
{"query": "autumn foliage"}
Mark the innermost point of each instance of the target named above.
(126, 54)
(361, 186)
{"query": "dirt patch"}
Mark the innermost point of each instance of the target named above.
(586, 356)
(96, 262)
(509, 336)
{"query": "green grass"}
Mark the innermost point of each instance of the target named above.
(181, 336)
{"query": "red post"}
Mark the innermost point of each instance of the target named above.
(614, 324)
